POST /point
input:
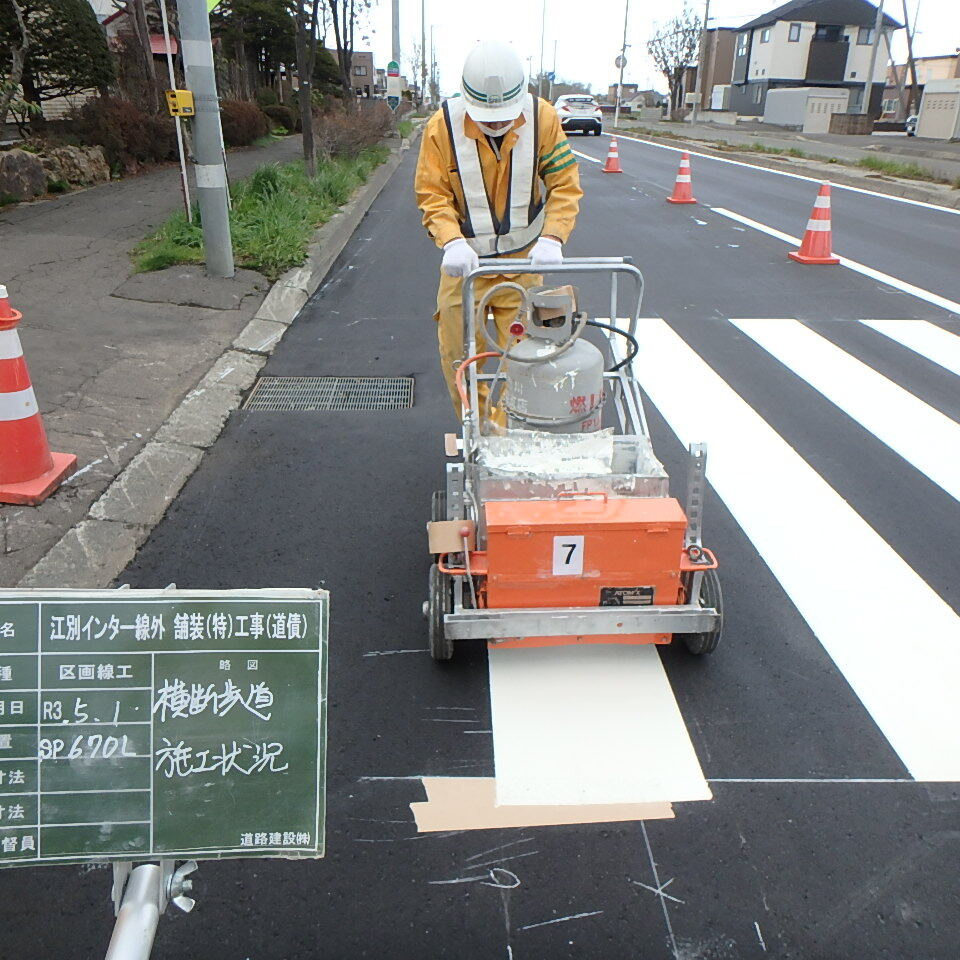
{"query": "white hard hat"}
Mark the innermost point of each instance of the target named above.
(494, 83)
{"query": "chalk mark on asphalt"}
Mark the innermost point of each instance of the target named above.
(656, 880)
(574, 916)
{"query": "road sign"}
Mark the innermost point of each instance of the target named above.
(141, 724)
(393, 69)
(620, 62)
(393, 84)
(393, 102)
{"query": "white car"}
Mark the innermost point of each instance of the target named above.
(911, 125)
(579, 111)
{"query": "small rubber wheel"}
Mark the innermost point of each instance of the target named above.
(438, 505)
(440, 602)
(710, 596)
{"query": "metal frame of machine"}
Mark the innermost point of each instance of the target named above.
(452, 609)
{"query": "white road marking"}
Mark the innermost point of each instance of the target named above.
(792, 176)
(922, 337)
(952, 306)
(892, 637)
(588, 723)
(586, 156)
(923, 436)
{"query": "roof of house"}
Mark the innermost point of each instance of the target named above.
(857, 13)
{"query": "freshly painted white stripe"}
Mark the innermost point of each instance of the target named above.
(923, 436)
(908, 288)
(10, 348)
(894, 639)
(819, 226)
(795, 176)
(17, 405)
(211, 175)
(588, 723)
(587, 156)
(922, 337)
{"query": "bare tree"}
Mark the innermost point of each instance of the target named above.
(413, 61)
(306, 14)
(18, 55)
(343, 16)
(673, 48)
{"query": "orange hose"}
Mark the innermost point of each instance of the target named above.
(461, 389)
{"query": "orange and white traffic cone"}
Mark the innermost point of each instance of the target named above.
(683, 186)
(613, 158)
(817, 245)
(29, 472)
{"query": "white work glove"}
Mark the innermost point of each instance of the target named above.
(459, 258)
(546, 253)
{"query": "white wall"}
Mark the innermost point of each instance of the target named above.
(858, 58)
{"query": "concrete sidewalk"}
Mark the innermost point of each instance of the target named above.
(941, 158)
(109, 359)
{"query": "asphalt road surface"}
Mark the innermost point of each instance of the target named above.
(820, 842)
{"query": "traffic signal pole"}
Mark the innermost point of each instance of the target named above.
(210, 171)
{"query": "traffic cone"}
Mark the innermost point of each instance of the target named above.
(817, 243)
(29, 472)
(682, 187)
(613, 158)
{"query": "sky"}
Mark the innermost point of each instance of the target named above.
(587, 35)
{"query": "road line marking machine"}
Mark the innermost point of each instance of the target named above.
(552, 530)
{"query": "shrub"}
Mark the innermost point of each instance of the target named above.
(266, 97)
(243, 122)
(343, 133)
(127, 134)
(281, 116)
(58, 186)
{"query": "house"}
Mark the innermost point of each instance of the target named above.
(943, 67)
(627, 92)
(811, 43)
(363, 74)
(720, 44)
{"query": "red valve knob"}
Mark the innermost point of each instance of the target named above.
(517, 328)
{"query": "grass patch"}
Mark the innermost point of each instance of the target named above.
(896, 168)
(275, 212)
(58, 186)
(404, 128)
(7, 198)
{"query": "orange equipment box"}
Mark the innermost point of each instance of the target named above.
(584, 552)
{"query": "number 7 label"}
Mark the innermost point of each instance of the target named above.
(568, 556)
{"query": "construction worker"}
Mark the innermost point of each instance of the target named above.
(495, 178)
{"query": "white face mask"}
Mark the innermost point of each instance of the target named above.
(494, 131)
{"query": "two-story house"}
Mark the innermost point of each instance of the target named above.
(811, 43)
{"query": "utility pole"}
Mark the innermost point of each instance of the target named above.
(910, 61)
(702, 61)
(868, 83)
(553, 72)
(623, 62)
(423, 51)
(395, 38)
(543, 27)
(210, 170)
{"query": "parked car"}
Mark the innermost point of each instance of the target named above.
(579, 112)
(912, 124)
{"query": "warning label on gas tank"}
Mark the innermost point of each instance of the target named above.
(626, 596)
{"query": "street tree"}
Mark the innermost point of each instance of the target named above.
(17, 47)
(67, 52)
(256, 32)
(306, 15)
(136, 10)
(344, 15)
(673, 48)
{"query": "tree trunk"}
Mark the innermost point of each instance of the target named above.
(36, 121)
(142, 29)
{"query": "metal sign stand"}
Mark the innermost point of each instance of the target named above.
(140, 896)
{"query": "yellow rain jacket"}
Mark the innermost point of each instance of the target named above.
(440, 198)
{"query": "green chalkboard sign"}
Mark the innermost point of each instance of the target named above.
(138, 724)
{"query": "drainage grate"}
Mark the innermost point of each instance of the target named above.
(331, 393)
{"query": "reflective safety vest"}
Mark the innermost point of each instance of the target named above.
(522, 222)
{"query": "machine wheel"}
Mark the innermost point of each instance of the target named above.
(710, 596)
(438, 505)
(440, 602)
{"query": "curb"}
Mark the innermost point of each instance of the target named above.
(96, 550)
(833, 172)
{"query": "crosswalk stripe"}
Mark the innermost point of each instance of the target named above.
(924, 338)
(916, 431)
(892, 637)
